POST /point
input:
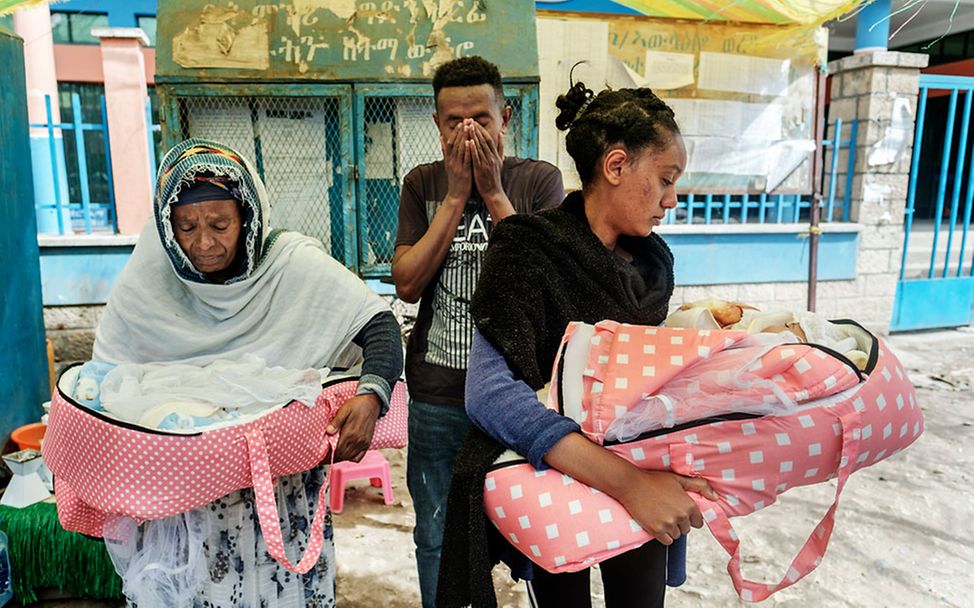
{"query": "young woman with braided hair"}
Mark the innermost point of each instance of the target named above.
(595, 257)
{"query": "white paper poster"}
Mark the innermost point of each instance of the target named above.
(724, 155)
(895, 141)
(668, 70)
(743, 73)
(561, 45)
(297, 170)
(226, 121)
(723, 118)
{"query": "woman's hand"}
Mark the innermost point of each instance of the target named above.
(356, 423)
(659, 502)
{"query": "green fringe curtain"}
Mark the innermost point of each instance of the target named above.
(43, 555)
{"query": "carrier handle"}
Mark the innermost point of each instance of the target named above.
(266, 502)
(811, 553)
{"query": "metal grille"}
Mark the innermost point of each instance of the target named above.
(839, 154)
(318, 181)
(295, 144)
(399, 134)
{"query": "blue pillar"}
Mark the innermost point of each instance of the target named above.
(23, 360)
(872, 27)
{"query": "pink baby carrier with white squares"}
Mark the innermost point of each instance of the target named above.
(104, 467)
(840, 419)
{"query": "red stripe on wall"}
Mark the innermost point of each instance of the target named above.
(82, 63)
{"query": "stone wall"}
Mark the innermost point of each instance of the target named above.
(71, 330)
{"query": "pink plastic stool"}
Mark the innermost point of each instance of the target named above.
(373, 467)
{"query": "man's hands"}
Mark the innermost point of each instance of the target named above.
(474, 159)
(356, 423)
(458, 161)
(488, 158)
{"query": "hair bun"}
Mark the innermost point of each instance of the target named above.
(571, 104)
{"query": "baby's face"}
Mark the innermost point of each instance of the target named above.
(87, 389)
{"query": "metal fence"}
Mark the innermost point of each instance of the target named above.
(332, 156)
(937, 264)
(763, 208)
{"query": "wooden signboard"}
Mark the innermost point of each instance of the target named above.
(340, 40)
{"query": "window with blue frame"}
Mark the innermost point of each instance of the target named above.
(69, 27)
(96, 156)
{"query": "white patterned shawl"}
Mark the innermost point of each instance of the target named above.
(292, 304)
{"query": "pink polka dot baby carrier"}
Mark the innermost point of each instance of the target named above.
(810, 415)
(104, 467)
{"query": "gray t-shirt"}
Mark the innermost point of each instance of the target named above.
(436, 355)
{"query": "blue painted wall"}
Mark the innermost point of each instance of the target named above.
(933, 303)
(584, 6)
(121, 13)
(720, 259)
(23, 360)
(85, 275)
(81, 275)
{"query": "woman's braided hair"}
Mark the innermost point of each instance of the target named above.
(635, 118)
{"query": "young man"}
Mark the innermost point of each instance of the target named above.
(446, 212)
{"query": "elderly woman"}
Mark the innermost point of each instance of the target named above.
(209, 279)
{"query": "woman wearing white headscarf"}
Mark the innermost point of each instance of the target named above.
(210, 280)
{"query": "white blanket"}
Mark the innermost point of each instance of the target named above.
(147, 394)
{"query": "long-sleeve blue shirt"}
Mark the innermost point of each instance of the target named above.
(507, 409)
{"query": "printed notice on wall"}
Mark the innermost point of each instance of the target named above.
(724, 155)
(718, 118)
(743, 73)
(297, 168)
(743, 94)
(669, 70)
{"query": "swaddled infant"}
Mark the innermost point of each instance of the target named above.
(807, 327)
(177, 396)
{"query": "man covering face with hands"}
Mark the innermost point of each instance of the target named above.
(446, 212)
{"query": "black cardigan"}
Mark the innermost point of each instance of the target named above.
(541, 272)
